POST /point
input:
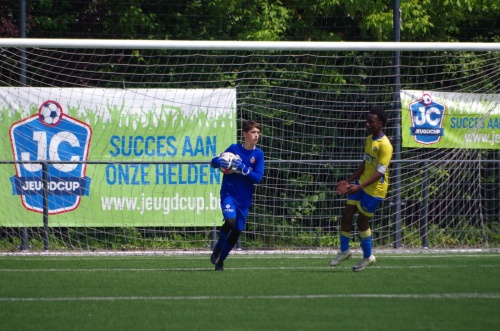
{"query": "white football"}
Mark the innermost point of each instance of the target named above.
(228, 157)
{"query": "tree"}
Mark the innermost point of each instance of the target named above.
(279, 20)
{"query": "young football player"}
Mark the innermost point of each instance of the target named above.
(237, 190)
(365, 189)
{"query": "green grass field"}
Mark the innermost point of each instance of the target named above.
(432, 291)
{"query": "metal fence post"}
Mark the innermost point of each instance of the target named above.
(425, 207)
(22, 31)
(213, 236)
(45, 180)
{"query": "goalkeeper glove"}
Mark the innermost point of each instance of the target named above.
(218, 162)
(241, 167)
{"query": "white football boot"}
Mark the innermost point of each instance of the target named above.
(341, 256)
(363, 263)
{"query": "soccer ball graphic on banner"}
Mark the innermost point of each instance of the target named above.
(229, 157)
(50, 113)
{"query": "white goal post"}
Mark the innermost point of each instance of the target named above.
(126, 166)
(247, 45)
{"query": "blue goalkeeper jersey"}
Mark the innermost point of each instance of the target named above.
(239, 186)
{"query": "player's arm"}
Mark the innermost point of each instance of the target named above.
(353, 188)
(385, 155)
(343, 185)
(256, 174)
(355, 175)
(372, 179)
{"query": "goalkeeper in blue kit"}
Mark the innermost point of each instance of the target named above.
(366, 188)
(237, 190)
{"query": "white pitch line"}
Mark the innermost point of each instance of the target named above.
(244, 256)
(277, 252)
(239, 269)
(454, 296)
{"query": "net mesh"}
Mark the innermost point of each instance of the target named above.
(312, 107)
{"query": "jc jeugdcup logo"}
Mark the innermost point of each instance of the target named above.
(427, 118)
(50, 135)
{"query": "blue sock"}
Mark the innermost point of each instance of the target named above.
(366, 243)
(345, 238)
(222, 239)
(226, 248)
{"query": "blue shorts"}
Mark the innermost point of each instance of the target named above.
(231, 210)
(366, 204)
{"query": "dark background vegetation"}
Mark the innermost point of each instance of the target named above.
(295, 111)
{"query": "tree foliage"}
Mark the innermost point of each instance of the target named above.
(291, 20)
(294, 108)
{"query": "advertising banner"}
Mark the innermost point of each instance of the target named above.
(154, 146)
(432, 119)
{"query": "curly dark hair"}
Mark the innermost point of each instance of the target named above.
(380, 112)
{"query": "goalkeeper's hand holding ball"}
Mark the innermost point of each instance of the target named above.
(219, 162)
(240, 167)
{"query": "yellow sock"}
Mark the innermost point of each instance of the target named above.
(365, 234)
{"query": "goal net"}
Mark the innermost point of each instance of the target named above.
(106, 144)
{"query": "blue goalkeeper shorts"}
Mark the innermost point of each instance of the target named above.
(231, 210)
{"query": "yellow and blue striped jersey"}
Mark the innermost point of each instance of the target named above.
(378, 154)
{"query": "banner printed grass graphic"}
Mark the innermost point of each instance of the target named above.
(469, 121)
(138, 125)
